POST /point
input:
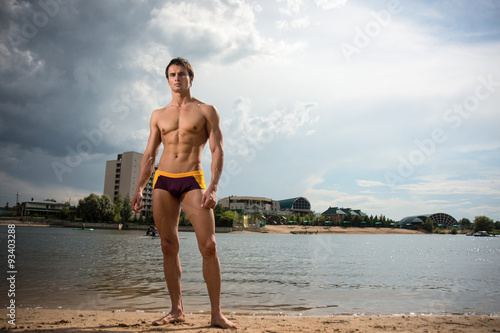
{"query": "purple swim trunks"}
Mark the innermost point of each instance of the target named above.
(179, 183)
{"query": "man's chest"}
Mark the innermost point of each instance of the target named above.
(181, 120)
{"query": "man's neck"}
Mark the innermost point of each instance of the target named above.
(181, 98)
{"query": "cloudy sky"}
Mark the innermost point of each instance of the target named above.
(391, 107)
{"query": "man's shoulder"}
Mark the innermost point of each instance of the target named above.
(156, 112)
(161, 110)
(204, 107)
(202, 104)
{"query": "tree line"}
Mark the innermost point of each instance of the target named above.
(95, 208)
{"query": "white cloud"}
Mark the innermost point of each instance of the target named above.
(330, 4)
(369, 183)
(276, 72)
(214, 30)
(454, 187)
(298, 23)
(244, 130)
(292, 7)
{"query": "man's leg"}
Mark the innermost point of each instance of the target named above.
(166, 209)
(203, 223)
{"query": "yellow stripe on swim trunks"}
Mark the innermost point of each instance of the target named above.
(198, 175)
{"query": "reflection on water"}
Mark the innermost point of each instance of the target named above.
(308, 274)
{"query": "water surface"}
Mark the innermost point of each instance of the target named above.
(293, 274)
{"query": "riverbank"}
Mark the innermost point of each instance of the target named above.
(94, 225)
(287, 229)
(62, 321)
(270, 229)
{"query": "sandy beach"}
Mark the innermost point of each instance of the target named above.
(60, 321)
(287, 229)
(278, 229)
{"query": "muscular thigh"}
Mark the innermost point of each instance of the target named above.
(166, 209)
(200, 217)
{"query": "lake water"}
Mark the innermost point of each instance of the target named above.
(261, 273)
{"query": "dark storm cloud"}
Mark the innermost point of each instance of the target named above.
(60, 62)
(76, 86)
(64, 62)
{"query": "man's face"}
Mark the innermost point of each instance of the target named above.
(178, 78)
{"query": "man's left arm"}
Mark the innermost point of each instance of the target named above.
(214, 131)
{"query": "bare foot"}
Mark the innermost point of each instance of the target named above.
(222, 322)
(169, 319)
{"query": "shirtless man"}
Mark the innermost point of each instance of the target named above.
(184, 126)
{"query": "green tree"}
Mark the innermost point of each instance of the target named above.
(64, 213)
(183, 220)
(88, 208)
(429, 225)
(483, 223)
(356, 221)
(117, 208)
(126, 212)
(465, 223)
(218, 210)
(95, 209)
(227, 218)
(231, 215)
(106, 209)
(149, 220)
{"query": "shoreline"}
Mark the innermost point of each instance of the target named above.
(268, 229)
(62, 321)
(290, 229)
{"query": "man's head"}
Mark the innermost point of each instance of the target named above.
(180, 62)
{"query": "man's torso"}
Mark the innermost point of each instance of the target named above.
(183, 131)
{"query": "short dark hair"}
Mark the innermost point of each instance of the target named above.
(180, 62)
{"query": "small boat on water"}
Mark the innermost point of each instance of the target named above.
(483, 234)
(84, 229)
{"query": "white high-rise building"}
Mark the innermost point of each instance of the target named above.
(121, 177)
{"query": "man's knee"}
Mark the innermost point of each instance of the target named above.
(208, 249)
(169, 247)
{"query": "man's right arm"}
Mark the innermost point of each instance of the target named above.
(147, 162)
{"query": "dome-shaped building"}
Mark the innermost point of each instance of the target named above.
(298, 205)
(440, 220)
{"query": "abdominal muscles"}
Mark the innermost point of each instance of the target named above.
(181, 152)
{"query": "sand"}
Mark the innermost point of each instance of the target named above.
(280, 229)
(287, 229)
(61, 321)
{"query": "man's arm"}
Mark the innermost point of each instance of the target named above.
(214, 131)
(147, 162)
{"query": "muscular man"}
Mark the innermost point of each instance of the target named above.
(184, 126)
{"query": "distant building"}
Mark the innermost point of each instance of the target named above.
(299, 205)
(439, 220)
(41, 208)
(121, 178)
(336, 214)
(249, 204)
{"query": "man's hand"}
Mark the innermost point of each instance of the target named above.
(209, 198)
(136, 202)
